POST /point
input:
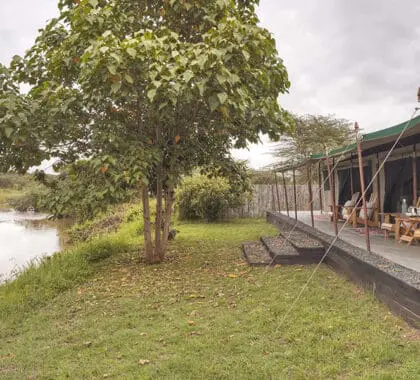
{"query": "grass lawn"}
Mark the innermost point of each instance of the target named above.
(203, 314)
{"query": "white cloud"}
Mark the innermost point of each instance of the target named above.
(357, 59)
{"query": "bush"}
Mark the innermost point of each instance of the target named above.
(34, 197)
(201, 197)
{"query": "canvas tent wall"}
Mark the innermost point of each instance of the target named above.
(350, 176)
(395, 179)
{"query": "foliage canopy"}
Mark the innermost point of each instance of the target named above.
(146, 91)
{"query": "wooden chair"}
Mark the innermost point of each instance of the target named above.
(347, 207)
(372, 210)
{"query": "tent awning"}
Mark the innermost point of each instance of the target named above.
(381, 137)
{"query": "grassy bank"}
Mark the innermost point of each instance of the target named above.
(6, 195)
(201, 314)
(20, 192)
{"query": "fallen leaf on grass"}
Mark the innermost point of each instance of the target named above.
(191, 323)
(8, 356)
(144, 361)
(232, 275)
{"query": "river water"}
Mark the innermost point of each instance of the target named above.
(25, 236)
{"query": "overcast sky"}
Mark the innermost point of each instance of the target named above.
(356, 59)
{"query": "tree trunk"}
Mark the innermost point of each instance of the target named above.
(150, 255)
(169, 199)
(158, 220)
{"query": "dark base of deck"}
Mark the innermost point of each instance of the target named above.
(396, 286)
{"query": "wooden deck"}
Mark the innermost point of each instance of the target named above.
(400, 253)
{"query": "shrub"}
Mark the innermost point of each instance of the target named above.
(34, 197)
(202, 197)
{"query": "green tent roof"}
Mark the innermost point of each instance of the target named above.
(378, 135)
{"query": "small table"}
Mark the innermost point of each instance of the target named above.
(388, 215)
(405, 227)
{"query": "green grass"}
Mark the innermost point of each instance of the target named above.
(6, 194)
(202, 314)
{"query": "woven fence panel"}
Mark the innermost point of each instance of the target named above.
(269, 198)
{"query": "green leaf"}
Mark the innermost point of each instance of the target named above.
(221, 79)
(115, 87)
(202, 61)
(246, 55)
(188, 75)
(112, 69)
(213, 102)
(8, 131)
(151, 94)
(132, 52)
(200, 86)
(116, 57)
(93, 3)
(163, 105)
(222, 96)
(129, 78)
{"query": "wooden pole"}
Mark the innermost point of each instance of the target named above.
(351, 176)
(285, 194)
(273, 200)
(277, 191)
(362, 185)
(294, 193)
(332, 194)
(414, 176)
(311, 203)
(378, 184)
(320, 187)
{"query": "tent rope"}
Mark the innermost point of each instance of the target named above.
(305, 286)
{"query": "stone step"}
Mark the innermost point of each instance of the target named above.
(283, 252)
(305, 244)
(256, 254)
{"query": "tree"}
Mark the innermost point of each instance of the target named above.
(149, 90)
(20, 142)
(313, 134)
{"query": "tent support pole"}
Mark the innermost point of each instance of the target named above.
(320, 187)
(273, 199)
(311, 198)
(332, 194)
(362, 185)
(351, 176)
(294, 193)
(285, 193)
(277, 191)
(378, 184)
(414, 176)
